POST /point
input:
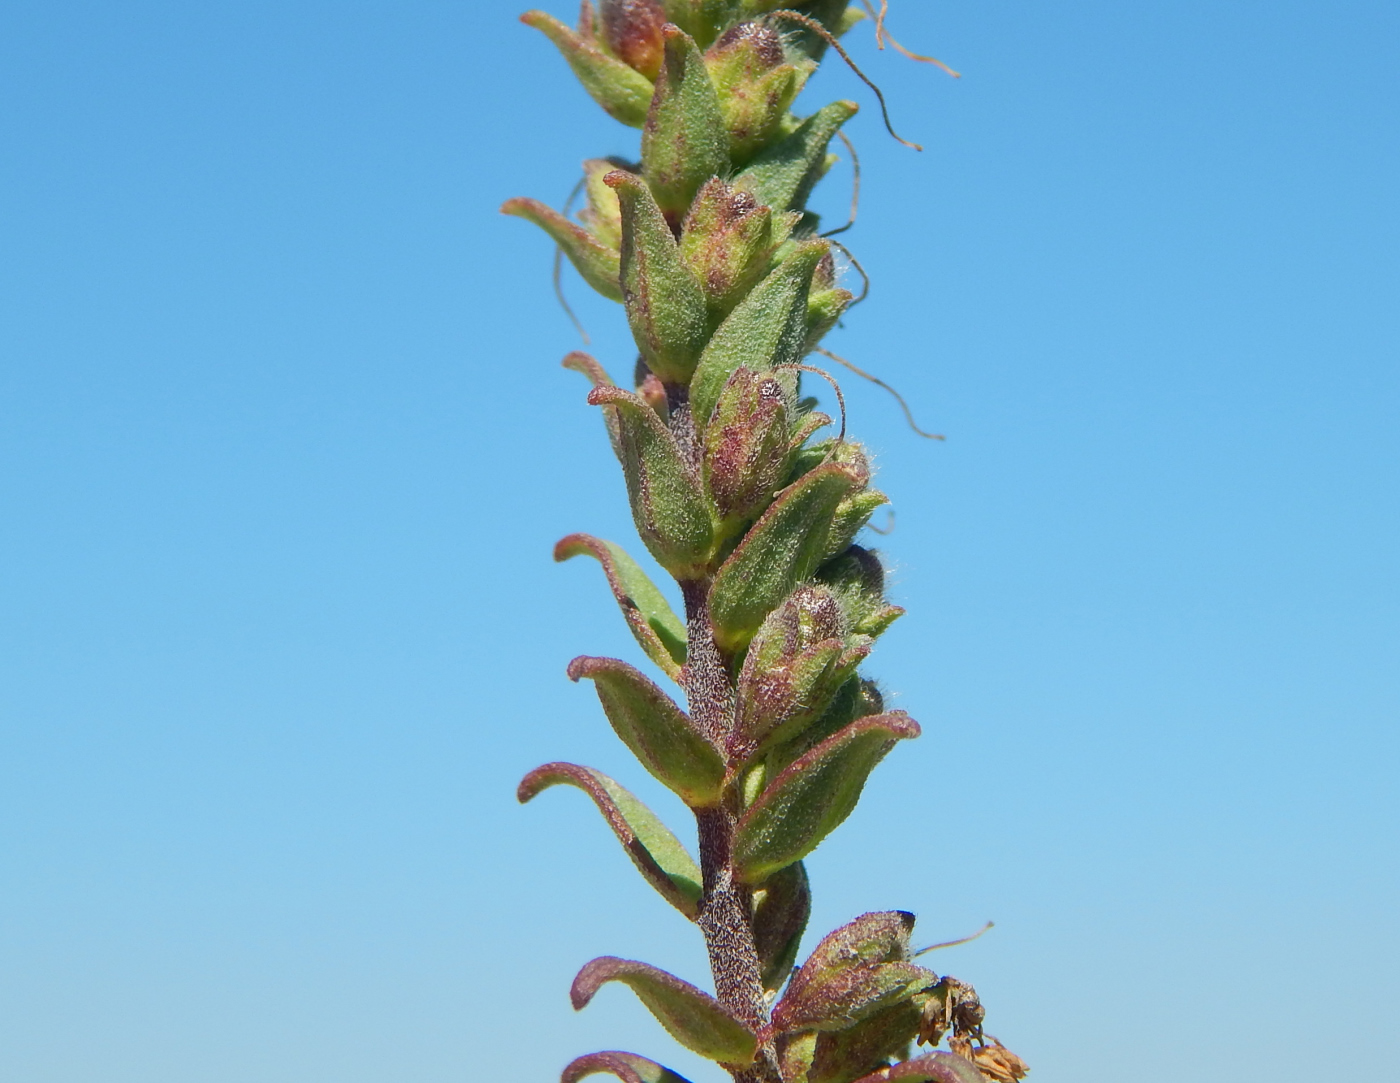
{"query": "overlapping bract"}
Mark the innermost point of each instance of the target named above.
(727, 286)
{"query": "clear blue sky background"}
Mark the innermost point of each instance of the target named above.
(286, 444)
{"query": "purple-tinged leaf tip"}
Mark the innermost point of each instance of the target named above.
(659, 856)
(930, 1068)
(628, 1067)
(654, 623)
(694, 1018)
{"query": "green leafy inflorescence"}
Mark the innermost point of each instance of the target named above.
(728, 286)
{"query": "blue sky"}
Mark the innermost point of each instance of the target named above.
(286, 445)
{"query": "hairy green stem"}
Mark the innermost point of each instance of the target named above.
(727, 904)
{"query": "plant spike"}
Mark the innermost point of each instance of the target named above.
(727, 286)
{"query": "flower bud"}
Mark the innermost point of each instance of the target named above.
(857, 698)
(852, 974)
(746, 448)
(811, 615)
(857, 580)
(756, 85)
(798, 660)
(727, 242)
(632, 29)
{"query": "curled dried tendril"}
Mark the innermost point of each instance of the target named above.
(908, 414)
(882, 35)
(855, 189)
(815, 27)
(954, 943)
(836, 387)
(557, 276)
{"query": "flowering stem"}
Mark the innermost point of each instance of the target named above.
(727, 284)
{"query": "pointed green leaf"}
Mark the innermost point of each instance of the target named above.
(781, 550)
(782, 905)
(857, 698)
(694, 1018)
(659, 856)
(658, 732)
(783, 175)
(628, 1067)
(685, 142)
(858, 581)
(930, 1068)
(856, 971)
(766, 329)
(600, 266)
(657, 628)
(668, 504)
(747, 451)
(814, 795)
(666, 307)
(624, 93)
(588, 367)
(824, 310)
(851, 515)
(603, 215)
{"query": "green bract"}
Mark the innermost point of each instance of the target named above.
(695, 1019)
(728, 288)
(684, 142)
(623, 92)
(813, 795)
(656, 731)
(658, 854)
